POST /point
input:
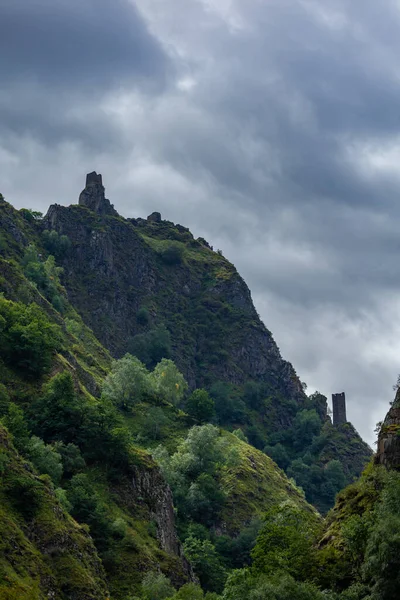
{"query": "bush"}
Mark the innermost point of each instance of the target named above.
(28, 339)
(127, 383)
(172, 255)
(143, 316)
(206, 564)
(15, 422)
(168, 381)
(155, 586)
(45, 458)
(200, 406)
(152, 346)
(55, 244)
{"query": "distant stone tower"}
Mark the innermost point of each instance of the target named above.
(93, 196)
(339, 409)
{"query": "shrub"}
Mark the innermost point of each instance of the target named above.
(127, 383)
(155, 586)
(200, 406)
(143, 316)
(152, 346)
(45, 458)
(172, 254)
(28, 339)
(55, 244)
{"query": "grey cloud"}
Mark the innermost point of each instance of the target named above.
(72, 42)
(263, 154)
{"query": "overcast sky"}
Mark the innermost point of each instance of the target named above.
(270, 127)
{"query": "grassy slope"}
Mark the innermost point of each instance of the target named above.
(43, 551)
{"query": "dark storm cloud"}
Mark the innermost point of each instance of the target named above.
(76, 43)
(60, 58)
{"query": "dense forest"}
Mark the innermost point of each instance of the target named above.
(153, 442)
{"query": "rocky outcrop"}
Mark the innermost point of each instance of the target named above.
(388, 451)
(93, 196)
(149, 485)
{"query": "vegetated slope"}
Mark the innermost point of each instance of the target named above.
(356, 553)
(52, 370)
(148, 287)
(43, 552)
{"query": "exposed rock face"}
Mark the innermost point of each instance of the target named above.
(155, 217)
(93, 196)
(151, 486)
(111, 272)
(388, 452)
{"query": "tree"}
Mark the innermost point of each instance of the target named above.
(206, 563)
(58, 414)
(154, 423)
(155, 586)
(152, 346)
(45, 458)
(15, 422)
(127, 383)
(55, 244)
(279, 454)
(200, 406)
(172, 254)
(168, 381)
(307, 425)
(285, 543)
(28, 339)
(72, 459)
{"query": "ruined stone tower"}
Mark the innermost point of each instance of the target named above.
(93, 196)
(339, 409)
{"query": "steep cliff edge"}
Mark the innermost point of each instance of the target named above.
(388, 451)
(118, 266)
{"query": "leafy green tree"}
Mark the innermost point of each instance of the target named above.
(244, 584)
(143, 316)
(240, 435)
(172, 254)
(285, 543)
(28, 339)
(58, 414)
(45, 458)
(200, 406)
(206, 563)
(307, 424)
(128, 382)
(72, 459)
(152, 346)
(190, 591)
(168, 382)
(155, 422)
(86, 507)
(156, 586)
(55, 244)
(16, 424)
(279, 454)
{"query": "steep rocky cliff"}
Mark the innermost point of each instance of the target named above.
(388, 450)
(117, 266)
